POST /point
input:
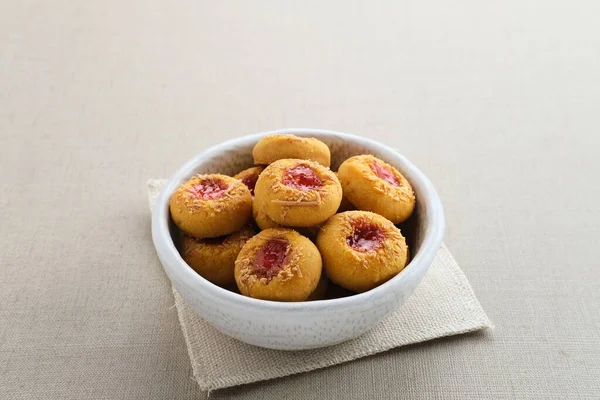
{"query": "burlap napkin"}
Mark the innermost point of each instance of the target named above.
(442, 305)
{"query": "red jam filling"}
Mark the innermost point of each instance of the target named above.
(270, 258)
(366, 237)
(250, 181)
(209, 189)
(302, 177)
(385, 173)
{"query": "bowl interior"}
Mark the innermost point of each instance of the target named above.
(231, 157)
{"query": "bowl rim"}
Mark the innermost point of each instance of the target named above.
(167, 252)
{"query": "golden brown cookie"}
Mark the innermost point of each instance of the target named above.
(278, 264)
(249, 177)
(211, 205)
(214, 258)
(297, 193)
(373, 185)
(276, 147)
(261, 219)
(361, 250)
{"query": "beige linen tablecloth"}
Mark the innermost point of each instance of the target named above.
(496, 102)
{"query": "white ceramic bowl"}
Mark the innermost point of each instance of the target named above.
(303, 325)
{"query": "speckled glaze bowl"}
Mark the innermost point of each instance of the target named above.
(302, 325)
